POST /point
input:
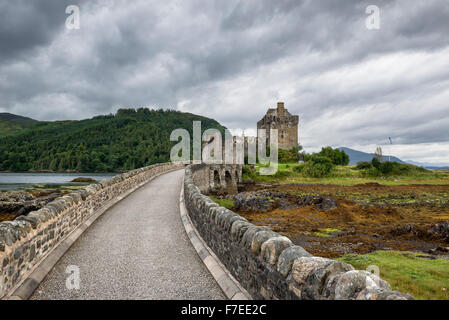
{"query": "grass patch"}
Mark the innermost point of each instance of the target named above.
(326, 233)
(343, 175)
(227, 203)
(413, 273)
(321, 234)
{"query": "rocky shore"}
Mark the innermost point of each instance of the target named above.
(19, 202)
(265, 201)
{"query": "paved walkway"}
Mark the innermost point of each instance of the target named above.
(138, 249)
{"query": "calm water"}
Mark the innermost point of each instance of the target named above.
(13, 181)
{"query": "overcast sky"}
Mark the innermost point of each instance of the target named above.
(231, 60)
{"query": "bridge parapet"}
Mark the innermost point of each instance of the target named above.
(28, 240)
(217, 178)
(267, 264)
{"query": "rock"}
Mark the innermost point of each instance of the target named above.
(265, 201)
(32, 253)
(311, 274)
(259, 238)
(22, 202)
(273, 247)
(377, 293)
(82, 179)
(238, 229)
(27, 207)
(6, 234)
(230, 221)
(320, 202)
(347, 286)
(441, 231)
(248, 236)
(287, 257)
(16, 196)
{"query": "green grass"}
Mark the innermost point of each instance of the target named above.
(346, 176)
(227, 203)
(326, 233)
(408, 272)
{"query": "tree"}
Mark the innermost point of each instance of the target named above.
(287, 156)
(378, 154)
(337, 156)
(318, 167)
(127, 140)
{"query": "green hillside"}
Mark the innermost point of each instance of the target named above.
(127, 140)
(11, 123)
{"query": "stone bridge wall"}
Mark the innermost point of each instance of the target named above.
(25, 241)
(217, 178)
(267, 264)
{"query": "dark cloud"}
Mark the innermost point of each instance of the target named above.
(230, 60)
(25, 25)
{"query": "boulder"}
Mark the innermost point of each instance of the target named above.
(259, 238)
(273, 247)
(348, 285)
(312, 273)
(286, 258)
(377, 293)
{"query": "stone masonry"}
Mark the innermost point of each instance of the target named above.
(218, 178)
(28, 239)
(284, 122)
(268, 265)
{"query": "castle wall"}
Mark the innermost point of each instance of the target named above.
(285, 123)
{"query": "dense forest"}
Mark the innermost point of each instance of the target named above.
(127, 140)
(11, 123)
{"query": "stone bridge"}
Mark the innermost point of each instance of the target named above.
(218, 178)
(152, 234)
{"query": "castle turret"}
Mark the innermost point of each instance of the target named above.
(280, 109)
(284, 122)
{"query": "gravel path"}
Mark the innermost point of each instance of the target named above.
(137, 249)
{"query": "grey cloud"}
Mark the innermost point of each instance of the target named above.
(25, 25)
(230, 60)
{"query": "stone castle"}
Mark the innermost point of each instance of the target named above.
(284, 122)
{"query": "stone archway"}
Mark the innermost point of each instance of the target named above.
(224, 178)
(228, 178)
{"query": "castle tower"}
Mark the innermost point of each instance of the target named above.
(284, 122)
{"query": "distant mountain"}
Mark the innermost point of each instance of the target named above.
(11, 123)
(356, 156)
(15, 118)
(429, 165)
(126, 140)
(437, 168)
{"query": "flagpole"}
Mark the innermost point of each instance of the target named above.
(389, 156)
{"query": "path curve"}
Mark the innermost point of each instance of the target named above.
(138, 249)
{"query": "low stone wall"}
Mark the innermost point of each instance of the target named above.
(268, 265)
(25, 241)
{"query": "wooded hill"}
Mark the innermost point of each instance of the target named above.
(11, 123)
(127, 140)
